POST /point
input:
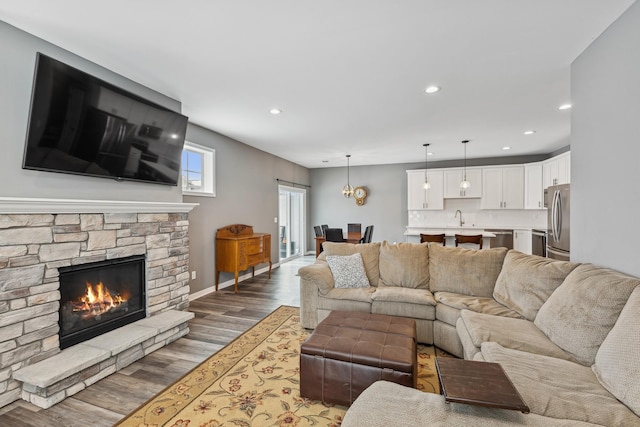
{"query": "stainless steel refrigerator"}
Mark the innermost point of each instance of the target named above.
(557, 201)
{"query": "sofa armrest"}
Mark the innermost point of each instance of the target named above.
(318, 275)
(315, 280)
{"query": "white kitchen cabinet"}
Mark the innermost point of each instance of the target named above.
(522, 241)
(453, 178)
(533, 189)
(557, 170)
(503, 188)
(420, 199)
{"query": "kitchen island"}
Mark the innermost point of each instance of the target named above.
(412, 234)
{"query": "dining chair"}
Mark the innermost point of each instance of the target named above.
(317, 230)
(438, 238)
(368, 232)
(324, 229)
(334, 235)
(464, 238)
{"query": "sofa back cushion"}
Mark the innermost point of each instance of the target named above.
(465, 271)
(405, 265)
(581, 312)
(527, 281)
(617, 364)
(369, 252)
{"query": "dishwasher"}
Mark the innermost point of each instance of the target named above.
(503, 239)
(539, 242)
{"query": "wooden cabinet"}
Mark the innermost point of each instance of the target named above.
(533, 189)
(238, 248)
(557, 170)
(452, 179)
(503, 188)
(522, 241)
(420, 199)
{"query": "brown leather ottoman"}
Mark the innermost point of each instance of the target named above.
(349, 351)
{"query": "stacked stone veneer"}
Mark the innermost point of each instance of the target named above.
(34, 246)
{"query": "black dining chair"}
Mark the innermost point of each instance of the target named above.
(317, 230)
(334, 235)
(324, 229)
(368, 232)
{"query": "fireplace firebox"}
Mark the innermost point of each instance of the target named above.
(98, 297)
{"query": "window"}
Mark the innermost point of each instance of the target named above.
(198, 170)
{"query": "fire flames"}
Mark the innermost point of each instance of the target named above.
(97, 300)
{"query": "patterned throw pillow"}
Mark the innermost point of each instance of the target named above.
(348, 271)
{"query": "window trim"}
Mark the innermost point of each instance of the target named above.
(208, 170)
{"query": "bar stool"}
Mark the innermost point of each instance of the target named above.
(438, 238)
(464, 238)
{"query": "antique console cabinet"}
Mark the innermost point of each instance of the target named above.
(238, 248)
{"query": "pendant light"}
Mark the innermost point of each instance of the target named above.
(347, 190)
(465, 184)
(427, 184)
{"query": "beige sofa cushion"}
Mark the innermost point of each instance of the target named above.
(465, 271)
(477, 304)
(617, 364)
(526, 281)
(559, 388)
(405, 265)
(369, 252)
(517, 334)
(584, 308)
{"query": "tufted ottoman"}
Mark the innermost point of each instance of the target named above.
(349, 351)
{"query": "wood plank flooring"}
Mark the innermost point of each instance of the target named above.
(219, 318)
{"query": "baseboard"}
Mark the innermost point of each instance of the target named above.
(230, 282)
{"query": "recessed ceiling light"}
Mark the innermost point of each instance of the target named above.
(564, 107)
(275, 111)
(429, 153)
(174, 135)
(506, 148)
(529, 132)
(432, 89)
(325, 161)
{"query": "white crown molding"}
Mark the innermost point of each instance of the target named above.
(17, 205)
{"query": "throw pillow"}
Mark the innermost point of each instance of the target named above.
(348, 271)
(580, 313)
(369, 252)
(617, 364)
(526, 281)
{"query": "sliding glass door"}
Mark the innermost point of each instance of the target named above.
(292, 214)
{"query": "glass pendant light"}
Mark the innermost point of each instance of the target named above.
(465, 184)
(427, 184)
(347, 190)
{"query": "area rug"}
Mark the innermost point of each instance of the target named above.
(254, 381)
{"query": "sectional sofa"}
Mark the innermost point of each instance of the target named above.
(567, 334)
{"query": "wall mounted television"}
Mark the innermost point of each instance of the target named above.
(82, 125)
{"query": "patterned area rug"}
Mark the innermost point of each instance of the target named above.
(254, 381)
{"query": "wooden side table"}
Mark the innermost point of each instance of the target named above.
(238, 248)
(478, 383)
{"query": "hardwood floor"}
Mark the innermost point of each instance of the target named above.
(219, 318)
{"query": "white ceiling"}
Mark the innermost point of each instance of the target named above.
(349, 75)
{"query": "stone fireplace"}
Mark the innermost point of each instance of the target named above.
(45, 255)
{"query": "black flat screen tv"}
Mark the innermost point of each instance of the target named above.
(82, 125)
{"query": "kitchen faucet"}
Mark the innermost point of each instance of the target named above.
(461, 220)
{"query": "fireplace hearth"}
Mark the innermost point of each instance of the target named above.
(98, 297)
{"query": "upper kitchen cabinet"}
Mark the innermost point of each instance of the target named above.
(502, 188)
(418, 198)
(557, 170)
(533, 189)
(453, 178)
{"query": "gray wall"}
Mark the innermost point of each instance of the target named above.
(386, 203)
(247, 193)
(18, 52)
(605, 148)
